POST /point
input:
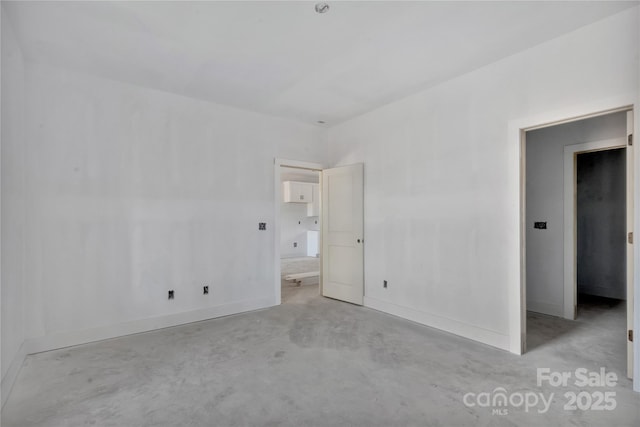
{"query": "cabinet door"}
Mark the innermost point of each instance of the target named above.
(287, 192)
(297, 192)
(305, 192)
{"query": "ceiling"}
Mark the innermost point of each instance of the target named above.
(283, 58)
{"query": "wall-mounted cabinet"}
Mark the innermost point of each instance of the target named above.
(297, 192)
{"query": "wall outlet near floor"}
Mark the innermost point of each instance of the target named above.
(384, 284)
(171, 294)
(205, 290)
(295, 244)
(262, 226)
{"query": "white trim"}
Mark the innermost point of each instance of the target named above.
(71, 338)
(456, 327)
(636, 254)
(569, 282)
(298, 164)
(277, 186)
(10, 377)
(515, 264)
(3, 394)
(517, 299)
(630, 250)
(568, 115)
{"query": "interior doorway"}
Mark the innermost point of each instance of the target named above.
(340, 217)
(300, 219)
(578, 209)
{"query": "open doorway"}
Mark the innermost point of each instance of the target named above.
(577, 215)
(299, 234)
(601, 229)
(340, 220)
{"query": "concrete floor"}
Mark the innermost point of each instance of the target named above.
(317, 362)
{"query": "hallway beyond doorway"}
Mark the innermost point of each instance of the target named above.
(293, 292)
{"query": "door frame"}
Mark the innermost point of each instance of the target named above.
(570, 281)
(517, 129)
(278, 165)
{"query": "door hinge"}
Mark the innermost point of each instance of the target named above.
(630, 139)
(630, 237)
(631, 335)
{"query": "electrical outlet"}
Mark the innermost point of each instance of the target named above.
(205, 290)
(171, 294)
(384, 284)
(262, 226)
(295, 244)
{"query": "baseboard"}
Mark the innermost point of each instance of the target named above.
(545, 308)
(462, 329)
(71, 338)
(12, 373)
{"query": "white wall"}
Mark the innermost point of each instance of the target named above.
(13, 208)
(294, 224)
(134, 192)
(441, 200)
(545, 202)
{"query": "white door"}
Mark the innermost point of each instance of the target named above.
(629, 243)
(342, 233)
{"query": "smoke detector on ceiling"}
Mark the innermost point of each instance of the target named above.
(322, 7)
